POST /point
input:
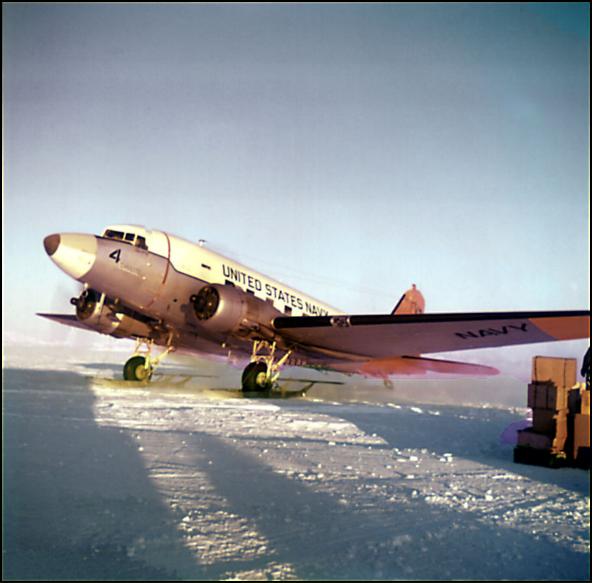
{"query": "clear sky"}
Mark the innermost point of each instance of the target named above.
(348, 150)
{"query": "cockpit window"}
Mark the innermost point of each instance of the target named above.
(130, 238)
(114, 234)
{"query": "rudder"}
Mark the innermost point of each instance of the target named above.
(411, 302)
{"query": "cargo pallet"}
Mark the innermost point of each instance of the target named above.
(543, 457)
(539, 457)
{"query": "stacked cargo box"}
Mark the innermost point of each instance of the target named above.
(560, 432)
(578, 445)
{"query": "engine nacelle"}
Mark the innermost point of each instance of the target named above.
(224, 309)
(98, 312)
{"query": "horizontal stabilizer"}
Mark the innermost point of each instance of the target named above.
(415, 365)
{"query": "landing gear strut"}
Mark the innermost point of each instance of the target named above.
(263, 370)
(141, 365)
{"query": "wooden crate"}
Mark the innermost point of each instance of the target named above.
(581, 437)
(561, 371)
(547, 395)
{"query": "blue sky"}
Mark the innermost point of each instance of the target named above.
(348, 150)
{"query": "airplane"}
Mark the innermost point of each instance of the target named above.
(163, 290)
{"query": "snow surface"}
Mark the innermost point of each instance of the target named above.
(183, 479)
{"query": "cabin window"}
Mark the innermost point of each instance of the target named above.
(129, 237)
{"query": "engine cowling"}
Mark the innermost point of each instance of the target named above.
(224, 309)
(98, 312)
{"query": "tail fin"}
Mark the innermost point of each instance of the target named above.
(411, 302)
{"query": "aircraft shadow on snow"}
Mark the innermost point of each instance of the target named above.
(77, 497)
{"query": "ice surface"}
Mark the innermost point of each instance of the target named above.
(107, 480)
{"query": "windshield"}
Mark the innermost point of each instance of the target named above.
(126, 237)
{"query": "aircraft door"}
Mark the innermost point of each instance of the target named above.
(157, 266)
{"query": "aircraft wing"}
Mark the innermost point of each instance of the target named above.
(387, 336)
(66, 320)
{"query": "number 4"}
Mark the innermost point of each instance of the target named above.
(115, 255)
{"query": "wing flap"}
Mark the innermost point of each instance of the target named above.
(382, 336)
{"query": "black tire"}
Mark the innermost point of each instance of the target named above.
(135, 369)
(254, 379)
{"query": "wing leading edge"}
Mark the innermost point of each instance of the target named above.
(389, 336)
(66, 320)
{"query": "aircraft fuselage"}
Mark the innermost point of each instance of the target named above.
(158, 275)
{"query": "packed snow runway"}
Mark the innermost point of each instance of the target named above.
(106, 480)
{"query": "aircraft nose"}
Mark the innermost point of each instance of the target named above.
(51, 243)
(74, 253)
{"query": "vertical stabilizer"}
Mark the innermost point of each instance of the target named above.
(411, 302)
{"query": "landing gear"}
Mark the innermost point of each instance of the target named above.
(263, 370)
(138, 368)
(255, 378)
(141, 365)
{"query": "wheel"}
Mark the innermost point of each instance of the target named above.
(255, 378)
(135, 369)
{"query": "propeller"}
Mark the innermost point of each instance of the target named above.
(86, 303)
(60, 304)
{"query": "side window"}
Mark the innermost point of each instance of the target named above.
(141, 242)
